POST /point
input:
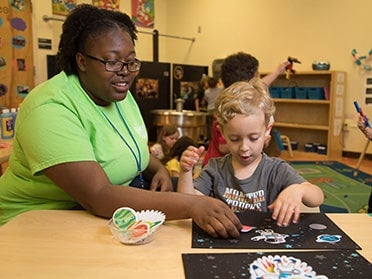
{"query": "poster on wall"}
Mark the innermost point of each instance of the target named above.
(147, 88)
(112, 5)
(63, 7)
(143, 13)
(16, 52)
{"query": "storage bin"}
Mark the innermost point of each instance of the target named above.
(308, 147)
(316, 93)
(322, 149)
(315, 146)
(294, 145)
(312, 147)
(274, 92)
(287, 92)
(300, 92)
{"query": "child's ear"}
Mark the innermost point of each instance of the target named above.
(268, 129)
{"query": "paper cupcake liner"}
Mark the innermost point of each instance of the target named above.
(131, 227)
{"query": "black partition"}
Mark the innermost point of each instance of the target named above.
(151, 89)
(186, 83)
(51, 66)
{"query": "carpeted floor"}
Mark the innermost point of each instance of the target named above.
(346, 190)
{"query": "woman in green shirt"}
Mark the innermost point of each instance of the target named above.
(80, 139)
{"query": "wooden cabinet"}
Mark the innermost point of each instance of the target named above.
(311, 121)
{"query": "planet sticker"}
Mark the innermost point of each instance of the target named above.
(318, 226)
(124, 217)
(246, 228)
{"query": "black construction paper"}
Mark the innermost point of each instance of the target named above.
(324, 264)
(296, 236)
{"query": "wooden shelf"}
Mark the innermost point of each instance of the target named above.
(313, 120)
(300, 126)
(302, 101)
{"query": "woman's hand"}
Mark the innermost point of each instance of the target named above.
(161, 181)
(215, 217)
(158, 175)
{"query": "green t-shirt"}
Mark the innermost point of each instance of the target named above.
(59, 123)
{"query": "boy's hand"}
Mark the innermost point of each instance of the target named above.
(190, 157)
(287, 206)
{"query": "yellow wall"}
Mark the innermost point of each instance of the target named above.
(269, 29)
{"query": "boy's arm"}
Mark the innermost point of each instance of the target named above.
(312, 195)
(287, 205)
(269, 79)
(187, 162)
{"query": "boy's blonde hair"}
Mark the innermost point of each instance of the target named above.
(245, 98)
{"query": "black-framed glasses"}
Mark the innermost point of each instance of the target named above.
(116, 65)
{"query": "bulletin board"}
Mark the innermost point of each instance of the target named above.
(16, 52)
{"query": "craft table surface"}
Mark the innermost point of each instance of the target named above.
(76, 244)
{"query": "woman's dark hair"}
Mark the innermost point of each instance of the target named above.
(238, 67)
(181, 145)
(84, 22)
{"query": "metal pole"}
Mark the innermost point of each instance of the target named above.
(169, 36)
(155, 46)
(47, 18)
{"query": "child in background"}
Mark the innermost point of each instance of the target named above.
(246, 178)
(166, 139)
(200, 103)
(367, 131)
(241, 66)
(173, 165)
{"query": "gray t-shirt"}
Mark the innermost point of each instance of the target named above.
(272, 175)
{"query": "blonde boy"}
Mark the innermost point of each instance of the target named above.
(246, 178)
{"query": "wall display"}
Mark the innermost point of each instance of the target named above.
(113, 5)
(143, 13)
(16, 55)
(364, 61)
(63, 7)
(147, 88)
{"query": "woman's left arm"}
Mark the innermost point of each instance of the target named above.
(158, 175)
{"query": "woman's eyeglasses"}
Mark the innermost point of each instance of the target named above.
(116, 65)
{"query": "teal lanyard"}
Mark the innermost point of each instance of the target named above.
(138, 159)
